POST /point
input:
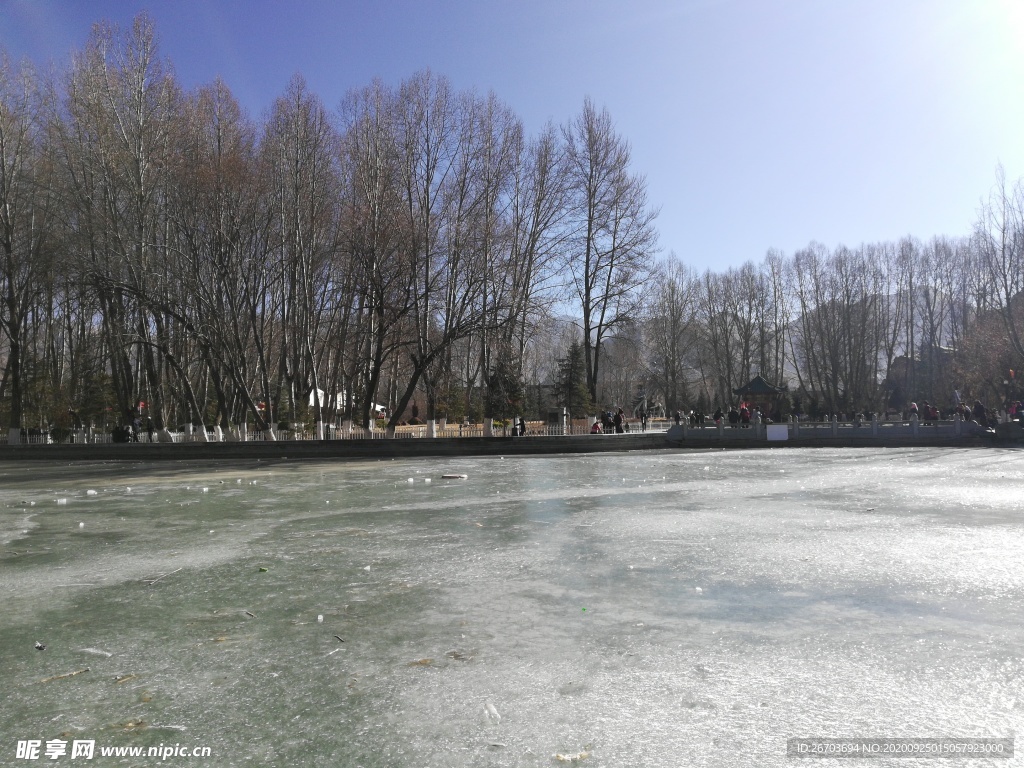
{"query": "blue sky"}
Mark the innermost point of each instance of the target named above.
(758, 123)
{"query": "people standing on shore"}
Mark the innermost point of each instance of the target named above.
(931, 413)
(979, 412)
(618, 421)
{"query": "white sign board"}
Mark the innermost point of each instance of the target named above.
(778, 431)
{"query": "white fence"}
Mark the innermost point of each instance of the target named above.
(417, 432)
(709, 430)
(880, 428)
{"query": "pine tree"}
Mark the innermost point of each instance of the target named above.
(504, 390)
(571, 389)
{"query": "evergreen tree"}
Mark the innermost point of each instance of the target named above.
(504, 390)
(571, 390)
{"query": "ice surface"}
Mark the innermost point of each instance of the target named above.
(655, 609)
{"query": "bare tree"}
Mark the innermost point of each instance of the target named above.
(729, 306)
(999, 239)
(774, 314)
(27, 231)
(220, 243)
(835, 344)
(671, 332)
(374, 239)
(538, 210)
(115, 140)
(300, 151)
(613, 235)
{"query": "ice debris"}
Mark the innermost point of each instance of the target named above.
(491, 712)
(95, 652)
(571, 758)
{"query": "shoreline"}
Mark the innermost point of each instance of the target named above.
(383, 448)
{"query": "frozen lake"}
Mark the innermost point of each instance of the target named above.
(647, 609)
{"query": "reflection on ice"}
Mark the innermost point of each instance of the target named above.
(635, 609)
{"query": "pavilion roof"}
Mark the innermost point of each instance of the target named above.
(758, 386)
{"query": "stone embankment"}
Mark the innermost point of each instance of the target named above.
(794, 434)
(836, 434)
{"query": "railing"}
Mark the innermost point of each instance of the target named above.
(405, 432)
(796, 430)
(848, 428)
